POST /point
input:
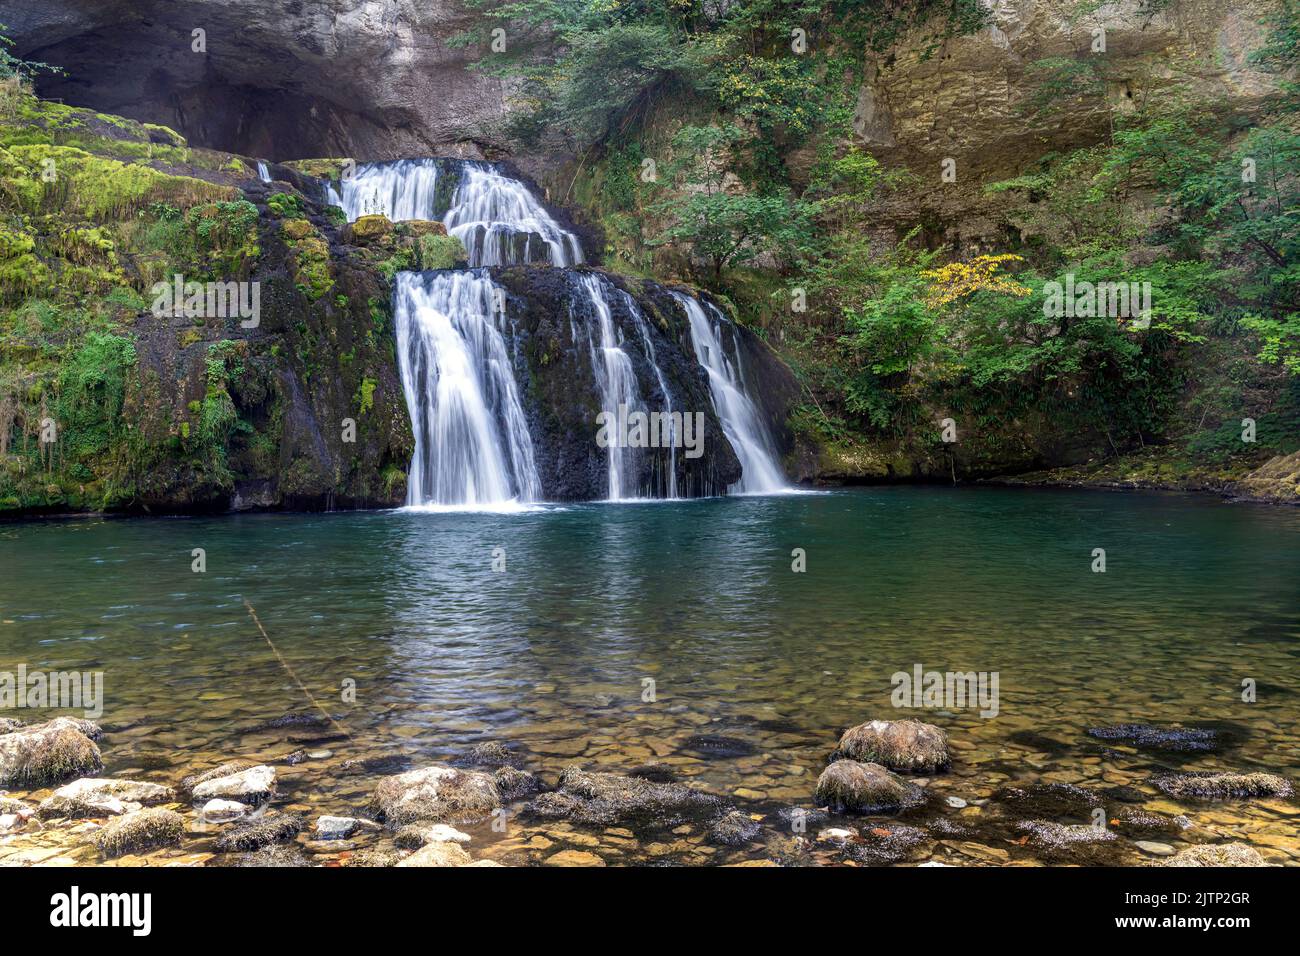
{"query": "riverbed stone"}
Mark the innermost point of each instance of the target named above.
(415, 835)
(223, 811)
(885, 844)
(1220, 854)
(734, 828)
(907, 746)
(491, 754)
(259, 832)
(574, 858)
(1050, 801)
(853, 787)
(253, 786)
(48, 754)
(607, 799)
(145, 829)
(513, 783)
(438, 853)
(1169, 739)
(101, 796)
(435, 794)
(1222, 785)
(339, 828)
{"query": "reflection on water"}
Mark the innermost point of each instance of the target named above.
(550, 654)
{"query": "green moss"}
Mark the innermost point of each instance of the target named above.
(285, 205)
(440, 252)
(365, 397)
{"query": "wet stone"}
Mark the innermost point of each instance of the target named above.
(1216, 785)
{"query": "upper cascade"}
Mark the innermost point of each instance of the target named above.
(496, 216)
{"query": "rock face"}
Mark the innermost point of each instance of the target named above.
(908, 746)
(853, 787)
(435, 794)
(281, 81)
(1277, 480)
(49, 753)
(607, 799)
(973, 99)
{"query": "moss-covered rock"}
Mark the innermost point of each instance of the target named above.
(435, 794)
(146, 829)
(47, 754)
(902, 745)
(853, 787)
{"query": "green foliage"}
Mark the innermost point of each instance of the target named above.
(11, 67)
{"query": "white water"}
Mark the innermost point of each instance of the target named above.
(491, 213)
(263, 172)
(472, 446)
(406, 189)
(741, 420)
(614, 377)
(488, 212)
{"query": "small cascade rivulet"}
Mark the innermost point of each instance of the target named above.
(481, 440)
(741, 419)
(263, 171)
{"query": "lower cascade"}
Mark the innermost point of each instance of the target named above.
(472, 445)
(741, 419)
(473, 396)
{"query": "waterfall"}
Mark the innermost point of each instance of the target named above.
(472, 442)
(497, 217)
(502, 223)
(614, 377)
(741, 419)
(406, 189)
(472, 445)
(263, 171)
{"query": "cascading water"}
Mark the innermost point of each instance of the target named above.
(498, 218)
(502, 223)
(406, 189)
(740, 417)
(263, 171)
(472, 445)
(614, 377)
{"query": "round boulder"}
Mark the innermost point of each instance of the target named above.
(908, 746)
(849, 786)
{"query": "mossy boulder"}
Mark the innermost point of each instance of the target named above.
(606, 799)
(47, 754)
(421, 227)
(367, 230)
(435, 794)
(142, 830)
(255, 834)
(1223, 854)
(908, 746)
(1222, 785)
(853, 787)
(101, 797)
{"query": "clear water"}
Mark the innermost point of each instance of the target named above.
(550, 655)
